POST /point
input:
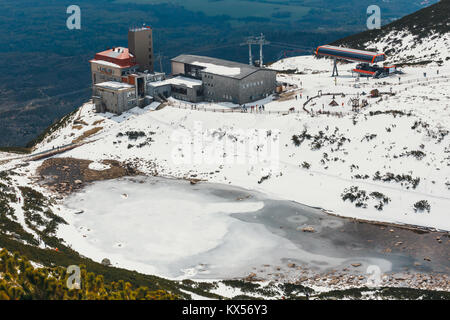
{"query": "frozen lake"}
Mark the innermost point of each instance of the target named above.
(177, 230)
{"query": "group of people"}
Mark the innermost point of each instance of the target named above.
(256, 108)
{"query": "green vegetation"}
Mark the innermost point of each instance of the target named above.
(387, 293)
(408, 180)
(360, 197)
(295, 291)
(19, 150)
(8, 219)
(274, 9)
(62, 123)
(422, 205)
(20, 280)
(39, 217)
(321, 139)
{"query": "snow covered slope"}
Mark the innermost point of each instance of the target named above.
(420, 37)
(393, 155)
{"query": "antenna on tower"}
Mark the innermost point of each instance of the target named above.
(160, 57)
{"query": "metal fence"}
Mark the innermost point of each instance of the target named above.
(412, 82)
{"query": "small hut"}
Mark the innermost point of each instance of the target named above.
(375, 93)
(333, 103)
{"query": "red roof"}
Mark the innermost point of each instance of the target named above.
(120, 56)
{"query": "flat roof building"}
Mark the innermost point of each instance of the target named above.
(113, 96)
(123, 78)
(226, 81)
(112, 65)
(182, 88)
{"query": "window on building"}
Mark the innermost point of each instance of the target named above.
(179, 90)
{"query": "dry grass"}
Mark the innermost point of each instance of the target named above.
(98, 122)
(79, 121)
(87, 134)
(77, 127)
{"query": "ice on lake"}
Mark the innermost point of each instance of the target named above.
(173, 229)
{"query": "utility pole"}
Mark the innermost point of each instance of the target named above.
(160, 57)
(335, 69)
(252, 40)
(261, 41)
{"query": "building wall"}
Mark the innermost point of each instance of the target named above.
(170, 90)
(161, 90)
(115, 101)
(177, 68)
(191, 94)
(140, 44)
(257, 86)
(240, 91)
(101, 73)
(218, 88)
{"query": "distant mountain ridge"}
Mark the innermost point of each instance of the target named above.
(421, 37)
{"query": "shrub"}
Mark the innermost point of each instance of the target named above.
(306, 165)
(421, 206)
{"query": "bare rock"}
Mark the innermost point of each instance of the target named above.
(106, 262)
(309, 229)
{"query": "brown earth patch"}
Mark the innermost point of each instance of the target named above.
(98, 122)
(65, 175)
(87, 134)
(287, 96)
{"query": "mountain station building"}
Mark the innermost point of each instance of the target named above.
(123, 78)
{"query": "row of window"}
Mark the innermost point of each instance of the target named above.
(127, 72)
(103, 69)
(179, 90)
(208, 76)
(227, 97)
(208, 84)
(252, 84)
